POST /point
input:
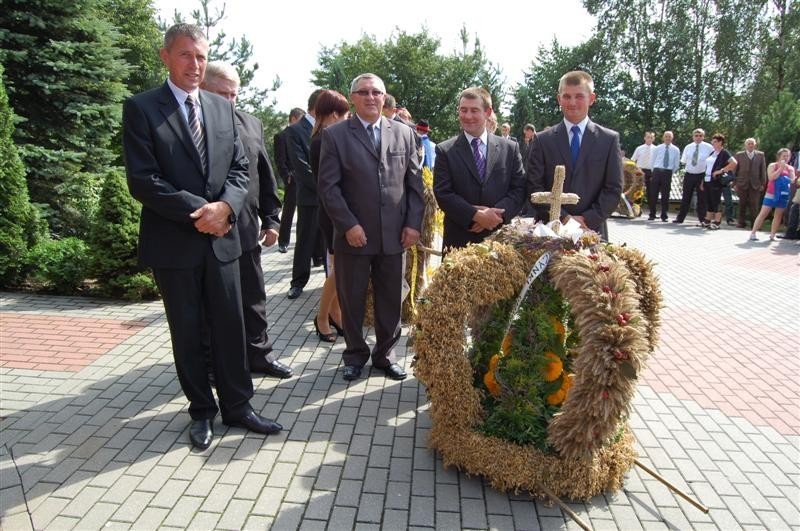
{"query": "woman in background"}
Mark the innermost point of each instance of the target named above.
(780, 176)
(718, 163)
(331, 107)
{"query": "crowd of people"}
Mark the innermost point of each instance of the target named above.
(352, 171)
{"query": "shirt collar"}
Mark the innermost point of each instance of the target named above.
(581, 124)
(364, 123)
(181, 95)
(484, 137)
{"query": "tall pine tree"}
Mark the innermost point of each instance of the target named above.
(64, 76)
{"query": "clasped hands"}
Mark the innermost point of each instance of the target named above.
(213, 218)
(486, 218)
(356, 237)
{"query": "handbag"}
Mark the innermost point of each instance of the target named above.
(726, 178)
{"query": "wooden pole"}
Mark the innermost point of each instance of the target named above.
(564, 507)
(428, 250)
(672, 487)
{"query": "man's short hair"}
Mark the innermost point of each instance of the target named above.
(312, 100)
(183, 30)
(699, 131)
(296, 113)
(670, 134)
(649, 133)
(753, 140)
(389, 102)
(358, 78)
(576, 78)
(218, 70)
(506, 124)
(529, 127)
(477, 93)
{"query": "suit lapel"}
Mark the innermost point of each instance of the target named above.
(386, 128)
(464, 150)
(562, 143)
(175, 119)
(587, 143)
(212, 121)
(492, 152)
(360, 132)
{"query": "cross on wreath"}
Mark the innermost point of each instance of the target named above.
(555, 197)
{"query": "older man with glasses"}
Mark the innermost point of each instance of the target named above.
(694, 158)
(370, 184)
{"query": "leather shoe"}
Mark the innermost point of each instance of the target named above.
(351, 372)
(201, 433)
(272, 368)
(282, 248)
(317, 262)
(677, 221)
(294, 292)
(395, 372)
(254, 422)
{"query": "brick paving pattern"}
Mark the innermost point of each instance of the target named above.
(102, 443)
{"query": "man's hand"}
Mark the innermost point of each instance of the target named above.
(356, 236)
(488, 217)
(410, 237)
(476, 228)
(212, 218)
(268, 237)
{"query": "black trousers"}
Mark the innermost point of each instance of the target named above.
(660, 184)
(209, 292)
(287, 213)
(308, 244)
(254, 306)
(691, 184)
(353, 272)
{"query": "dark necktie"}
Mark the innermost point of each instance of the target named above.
(480, 160)
(666, 158)
(575, 144)
(696, 154)
(198, 137)
(375, 142)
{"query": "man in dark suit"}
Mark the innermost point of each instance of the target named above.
(478, 179)
(186, 165)
(751, 180)
(589, 152)
(287, 174)
(371, 186)
(308, 245)
(257, 224)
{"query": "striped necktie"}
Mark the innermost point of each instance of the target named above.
(480, 160)
(198, 136)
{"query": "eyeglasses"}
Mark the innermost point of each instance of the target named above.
(365, 93)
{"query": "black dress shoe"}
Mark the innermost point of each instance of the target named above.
(328, 338)
(651, 218)
(317, 262)
(395, 372)
(351, 373)
(201, 433)
(272, 368)
(294, 292)
(339, 329)
(665, 219)
(677, 221)
(282, 248)
(254, 422)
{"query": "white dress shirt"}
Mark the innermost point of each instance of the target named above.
(705, 150)
(643, 156)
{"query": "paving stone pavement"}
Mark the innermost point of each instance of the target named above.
(101, 441)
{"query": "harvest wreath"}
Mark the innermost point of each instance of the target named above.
(540, 404)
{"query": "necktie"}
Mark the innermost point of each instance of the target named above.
(666, 158)
(198, 137)
(696, 154)
(575, 144)
(480, 161)
(375, 142)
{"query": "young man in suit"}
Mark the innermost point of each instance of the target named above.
(308, 245)
(287, 175)
(478, 179)
(257, 224)
(589, 152)
(370, 184)
(186, 165)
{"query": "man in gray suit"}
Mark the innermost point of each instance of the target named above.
(751, 180)
(370, 184)
(478, 179)
(589, 152)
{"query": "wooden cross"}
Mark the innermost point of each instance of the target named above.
(555, 198)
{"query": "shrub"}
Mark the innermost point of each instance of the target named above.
(59, 266)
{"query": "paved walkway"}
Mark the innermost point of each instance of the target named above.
(94, 424)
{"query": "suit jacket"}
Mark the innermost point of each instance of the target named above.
(458, 187)
(299, 146)
(166, 175)
(382, 192)
(284, 166)
(262, 206)
(752, 173)
(596, 177)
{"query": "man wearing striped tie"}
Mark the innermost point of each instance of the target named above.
(186, 165)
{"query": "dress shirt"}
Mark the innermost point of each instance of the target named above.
(180, 97)
(581, 126)
(643, 156)
(688, 153)
(376, 125)
(484, 137)
(674, 157)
